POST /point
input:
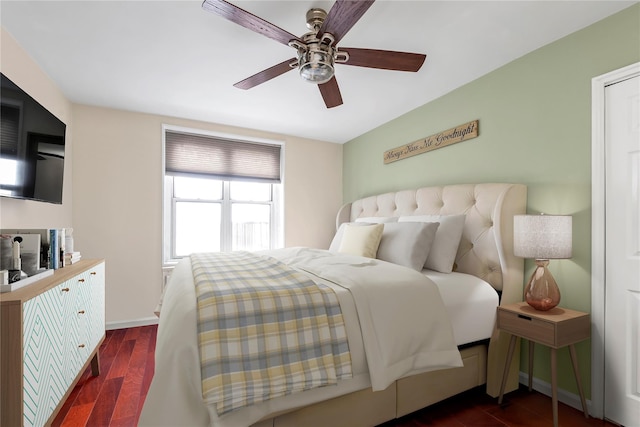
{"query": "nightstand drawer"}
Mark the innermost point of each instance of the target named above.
(523, 325)
(555, 328)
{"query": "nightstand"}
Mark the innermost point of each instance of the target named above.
(556, 328)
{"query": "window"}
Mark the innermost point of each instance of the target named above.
(220, 194)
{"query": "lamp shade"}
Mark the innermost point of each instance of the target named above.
(542, 236)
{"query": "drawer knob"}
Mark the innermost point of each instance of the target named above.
(65, 289)
(93, 273)
(81, 280)
(81, 346)
(81, 312)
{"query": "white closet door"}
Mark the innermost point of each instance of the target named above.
(622, 306)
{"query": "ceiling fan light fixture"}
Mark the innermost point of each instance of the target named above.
(316, 65)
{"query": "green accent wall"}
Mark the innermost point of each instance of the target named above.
(535, 129)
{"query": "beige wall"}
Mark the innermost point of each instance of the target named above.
(18, 66)
(118, 198)
(113, 189)
(313, 192)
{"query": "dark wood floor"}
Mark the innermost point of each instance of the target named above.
(476, 408)
(116, 396)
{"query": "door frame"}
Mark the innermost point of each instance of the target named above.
(598, 205)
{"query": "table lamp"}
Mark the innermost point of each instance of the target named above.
(542, 237)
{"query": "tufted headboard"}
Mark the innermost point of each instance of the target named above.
(486, 248)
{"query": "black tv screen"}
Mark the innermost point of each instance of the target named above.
(31, 147)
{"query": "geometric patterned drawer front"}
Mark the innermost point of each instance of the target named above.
(97, 318)
(44, 330)
(90, 310)
(75, 329)
(61, 328)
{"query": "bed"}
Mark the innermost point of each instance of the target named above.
(381, 384)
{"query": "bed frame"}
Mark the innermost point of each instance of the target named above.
(486, 251)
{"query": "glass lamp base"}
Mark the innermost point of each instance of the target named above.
(542, 291)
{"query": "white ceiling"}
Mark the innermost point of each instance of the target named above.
(173, 58)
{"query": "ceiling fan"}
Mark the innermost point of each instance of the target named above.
(317, 50)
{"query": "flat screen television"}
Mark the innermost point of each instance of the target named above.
(31, 147)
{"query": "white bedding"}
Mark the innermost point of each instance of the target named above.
(471, 303)
(369, 304)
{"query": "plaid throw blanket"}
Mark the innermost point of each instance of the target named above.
(264, 330)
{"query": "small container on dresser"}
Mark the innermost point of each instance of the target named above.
(50, 332)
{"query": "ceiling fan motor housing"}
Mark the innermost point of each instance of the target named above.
(315, 18)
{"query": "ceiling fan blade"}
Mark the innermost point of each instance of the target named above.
(265, 75)
(248, 20)
(384, 59)
(331, 93)
(342, 16)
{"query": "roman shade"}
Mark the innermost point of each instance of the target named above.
(202, 155)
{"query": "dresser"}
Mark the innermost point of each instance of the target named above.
(50, 332)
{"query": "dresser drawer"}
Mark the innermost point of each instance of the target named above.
(46, 364)
(90, 309)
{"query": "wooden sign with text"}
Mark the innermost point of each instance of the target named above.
(451, 136)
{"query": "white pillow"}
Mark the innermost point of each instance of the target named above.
(445, 245)
(337, 238)
(361, 240)
(407, 243)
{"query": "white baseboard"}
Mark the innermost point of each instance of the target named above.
(132, 323)
(564, 396)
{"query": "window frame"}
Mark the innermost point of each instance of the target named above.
(169, 257)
